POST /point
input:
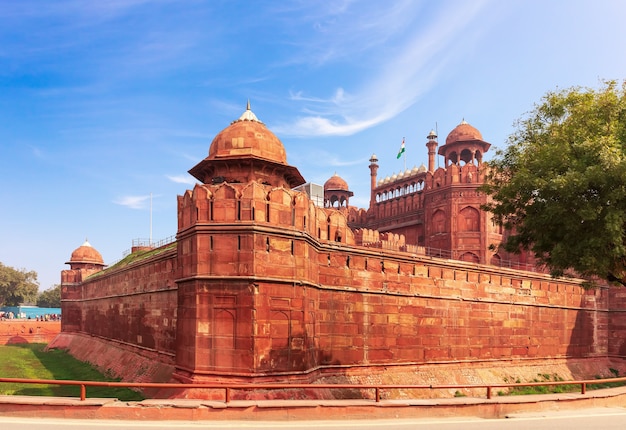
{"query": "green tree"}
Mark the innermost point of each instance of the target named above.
(17, 286)
(51, 298)
(560, 184)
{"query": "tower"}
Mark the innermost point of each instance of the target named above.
(234, 238)
(431, 144)
(373, 182)
(85, 261)
(455, 223)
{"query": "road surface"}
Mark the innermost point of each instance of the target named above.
(599, 418)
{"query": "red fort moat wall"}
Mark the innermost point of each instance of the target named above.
(263, 285)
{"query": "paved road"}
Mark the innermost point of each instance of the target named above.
(600, 418)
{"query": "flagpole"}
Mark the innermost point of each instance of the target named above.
(150, 240)
(404, 159)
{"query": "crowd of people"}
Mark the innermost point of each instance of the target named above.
(4, 316)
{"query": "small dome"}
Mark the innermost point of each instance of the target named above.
(422, 168)
(247, 136)
(86, 254)
(381, 181)
(387, 179)
(463, 132)
(394, 177)
(336, 183)
(400, 175)
(414, 170)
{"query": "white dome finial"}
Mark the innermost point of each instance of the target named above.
(248, 115)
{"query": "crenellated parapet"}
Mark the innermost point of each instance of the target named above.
(262, 205)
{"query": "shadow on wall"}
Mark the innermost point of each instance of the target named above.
(589, 338)
(131, 327)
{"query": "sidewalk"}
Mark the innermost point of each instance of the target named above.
(293, 410)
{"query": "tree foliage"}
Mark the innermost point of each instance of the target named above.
(51, 298)
(560, 185)
(17, 286)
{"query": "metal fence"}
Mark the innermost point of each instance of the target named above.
(377, 390)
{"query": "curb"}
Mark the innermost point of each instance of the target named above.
(294, 410)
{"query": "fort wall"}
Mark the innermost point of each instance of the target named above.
(265, 292)
(133, 303)
(294, 296)
(262, 284)
(617, 322)
(18, 331)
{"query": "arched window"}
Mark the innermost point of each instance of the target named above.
(453, 158)
(469, 219)
(466, 156)
(470, 257)
(439, 222)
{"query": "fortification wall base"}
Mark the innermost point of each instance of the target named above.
(477, 372)
(130, 364)
(115, 359)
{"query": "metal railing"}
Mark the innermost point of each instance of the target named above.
(147, 243)
(377, 389)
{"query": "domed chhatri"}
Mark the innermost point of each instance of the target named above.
(86, 255)
(336, 192)
(247, 151)
(464, 144)
(463, 132)
(247, 136)
(336, 183)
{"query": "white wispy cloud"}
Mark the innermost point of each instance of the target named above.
(182, 179)
(397, 79)
(133, 202)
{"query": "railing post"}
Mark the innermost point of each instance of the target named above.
(583, 388)
(377, 394)
(83, 392)
(227, 394)
(489, 392)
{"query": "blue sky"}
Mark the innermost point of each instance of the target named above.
(104, 102)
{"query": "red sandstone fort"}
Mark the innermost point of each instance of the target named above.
(268, 281)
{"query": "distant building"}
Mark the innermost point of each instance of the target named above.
(314, 191)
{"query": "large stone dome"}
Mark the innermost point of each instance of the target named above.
(86, 254)
(463, 132)
(247, 137)
(247, 151)
(336, 182)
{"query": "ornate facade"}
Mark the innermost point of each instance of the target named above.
(438, 209)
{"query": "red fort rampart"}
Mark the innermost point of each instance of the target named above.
(262, 284)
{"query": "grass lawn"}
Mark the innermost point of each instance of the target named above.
(552, 389)
(30, 361)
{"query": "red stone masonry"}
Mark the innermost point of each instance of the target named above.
(262, 284)
(133, 304)
(286, 299)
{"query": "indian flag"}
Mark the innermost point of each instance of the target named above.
(402, 149)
